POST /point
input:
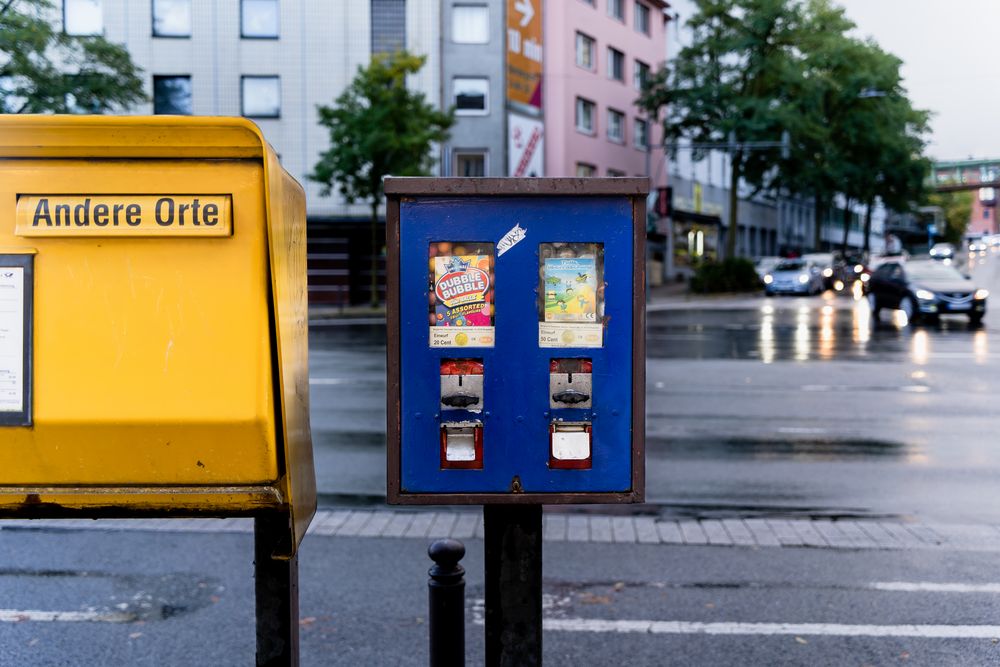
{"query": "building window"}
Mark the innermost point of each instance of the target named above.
(388, 19)
(83, 17)
(640, 75)
(471, 96)
(259, 19)
(261, 96)
(641, 139)
(470, 164)
(616, 64)
(584, 115)
(615, 173)
(470, 24)
(172, 95)
(171, 18)
(585, 47)
(616, 126)
(642, 18)
(584, 170)
(616, 8)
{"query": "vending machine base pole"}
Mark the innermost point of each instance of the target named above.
(513, 558)
(276, 584)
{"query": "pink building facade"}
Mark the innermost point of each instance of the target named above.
(982, 219)
(597, 52)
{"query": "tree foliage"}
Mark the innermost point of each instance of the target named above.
(47, 71)
(756, 69)
(728, 83)
(956, 208)
(379, 127)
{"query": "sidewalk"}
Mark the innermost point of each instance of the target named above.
(467, 524)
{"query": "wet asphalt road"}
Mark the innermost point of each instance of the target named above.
(756, 407)
(783, 406)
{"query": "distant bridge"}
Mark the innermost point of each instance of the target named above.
(965, 175)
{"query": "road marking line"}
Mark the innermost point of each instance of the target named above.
(801, 430)
(814, 629)
(930, 587)
(21, 615)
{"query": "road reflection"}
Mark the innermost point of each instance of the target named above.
(823, 329)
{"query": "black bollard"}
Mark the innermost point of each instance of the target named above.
(446, 595)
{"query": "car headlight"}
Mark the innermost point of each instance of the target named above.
(981, 294)
(865, 277)
(768, 279)
(803, 279)
(827, 272)
(924, 295)
(858, 268)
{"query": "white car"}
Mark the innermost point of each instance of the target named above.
(763, 265)
(942, 251)
(793, 276)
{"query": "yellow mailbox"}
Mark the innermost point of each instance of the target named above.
(153, 321)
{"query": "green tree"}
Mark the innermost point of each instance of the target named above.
(758, 68)
(729, 85)
(855, 131)
(48, 71)
(956, 208)
(876, 137)
(378, 127)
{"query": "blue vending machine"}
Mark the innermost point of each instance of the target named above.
(515, 313)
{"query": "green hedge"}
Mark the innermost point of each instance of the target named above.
(730, 275)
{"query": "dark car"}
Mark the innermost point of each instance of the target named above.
(925, 289)
(848, 270)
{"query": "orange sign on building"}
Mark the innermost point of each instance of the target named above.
(524, 54)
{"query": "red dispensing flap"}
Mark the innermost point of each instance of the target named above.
(461, 367)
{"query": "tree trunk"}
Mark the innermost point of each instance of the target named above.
(818, 212)
(847, 227)
(868, 226)
(375, 250)
(734, 203)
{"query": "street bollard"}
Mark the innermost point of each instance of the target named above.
(446, 596)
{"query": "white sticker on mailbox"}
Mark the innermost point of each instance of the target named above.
(11, 339)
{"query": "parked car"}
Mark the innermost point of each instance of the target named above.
(942, 251)
(793, 276)
(763, 265)
(925, 289)
(823, 261)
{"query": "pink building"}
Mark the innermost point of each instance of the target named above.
(597, 53)
(982, 219)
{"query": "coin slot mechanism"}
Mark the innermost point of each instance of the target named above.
(462, 384)
(462, 445)
(570, 445)
(571, 383)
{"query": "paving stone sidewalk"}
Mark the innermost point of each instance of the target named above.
(561, 527)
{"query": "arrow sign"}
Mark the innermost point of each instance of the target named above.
(526, 10)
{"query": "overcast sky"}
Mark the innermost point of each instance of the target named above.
(950, 64)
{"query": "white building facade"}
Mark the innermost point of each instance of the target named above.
(273, 61)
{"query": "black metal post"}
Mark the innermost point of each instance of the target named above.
(513, 585)
(446, 598)
(276, 585)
